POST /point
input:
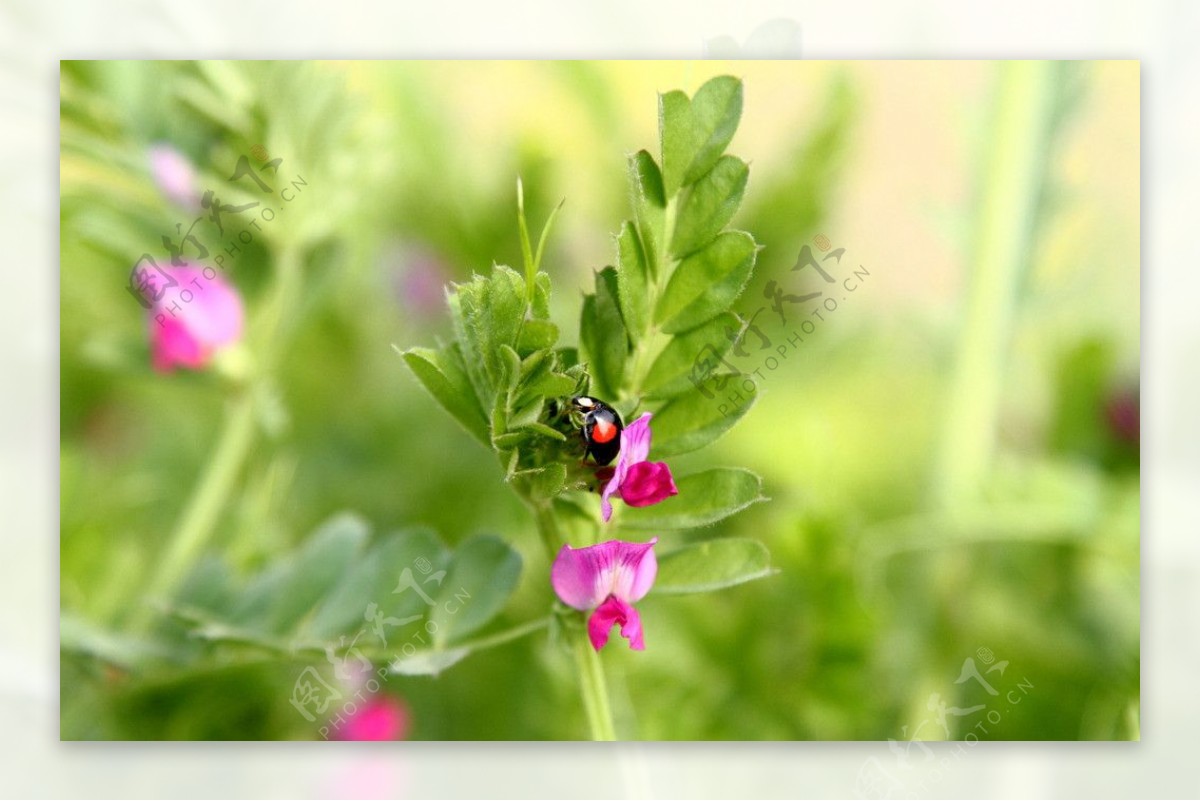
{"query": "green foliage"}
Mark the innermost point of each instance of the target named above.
(708, 497)
(674, 370)
(444, 374)
(708, 205)
(696, 132)
(602, 338)
(694, 419)
(712, 565)
(706, 283)
(329, 595)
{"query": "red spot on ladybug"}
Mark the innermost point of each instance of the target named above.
(604, 431)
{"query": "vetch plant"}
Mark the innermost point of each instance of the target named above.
(550, 412)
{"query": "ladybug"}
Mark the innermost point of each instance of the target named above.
(601, 428)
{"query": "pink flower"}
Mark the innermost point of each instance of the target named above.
(607, 578)
(192, 315)
(174, 174)
(639, 482)
(382, 717)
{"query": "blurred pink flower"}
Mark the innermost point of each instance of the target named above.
(174, 175)
(607, 578)
(419, 277)
(197, 313)
(1123, 411)
(382, 717)
(639, 482)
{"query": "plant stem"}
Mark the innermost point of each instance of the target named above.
(587, 661)
(547, 526)
(1004, 227)
(595, 690)
(204, 506)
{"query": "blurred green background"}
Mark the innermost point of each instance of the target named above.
(952, 455)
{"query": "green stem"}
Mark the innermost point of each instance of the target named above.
(230, 635)
(205, 505)
(595, 690)
(1002, 248)
(591, 671)
(547, 526)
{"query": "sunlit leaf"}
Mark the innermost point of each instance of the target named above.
(602, 335)
(703, 499)
(482, 575)
(444, 376)
(708, 205)
(712, 565)
(693, 420)
(707, 282)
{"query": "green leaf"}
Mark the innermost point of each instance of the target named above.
(465, 303)
(553, 385)
(526, 414)
(693, 420)
(373, 580)
(649, 205)
(549, 481)
(512, 439)
(678, 136)
(279, 597)
(602, 335)
(695, 133)
(707, 282)
(703, 499)
(709, 204)
(692, 354)
(487, 314)
(444, 376)
(541, 296)
(545, 431)
(428, 662)
(509, 369)
(633, 283)
(480, 579)
(712, 565)
(536, 335)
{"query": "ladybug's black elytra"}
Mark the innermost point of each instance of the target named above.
(601, 428)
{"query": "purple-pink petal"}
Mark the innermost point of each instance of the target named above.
(196, 314)
(635, 440)
(615, 611)
(174, 174)
(635, 447)
(584, 577)
(172, 346)
(647, 483)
